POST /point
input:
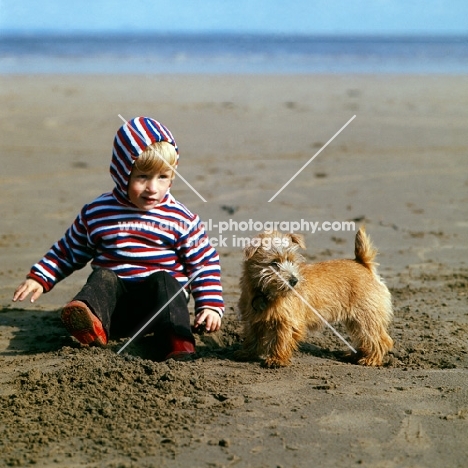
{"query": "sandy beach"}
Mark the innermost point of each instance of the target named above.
(400, 167)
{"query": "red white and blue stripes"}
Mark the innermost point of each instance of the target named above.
(112, 233)
(135, 244)
(131, 140)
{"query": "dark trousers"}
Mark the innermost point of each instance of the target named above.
(124, 307)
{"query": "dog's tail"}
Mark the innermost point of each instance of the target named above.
(364, 251)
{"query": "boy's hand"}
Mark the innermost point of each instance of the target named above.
(26, 288)
(210, 317)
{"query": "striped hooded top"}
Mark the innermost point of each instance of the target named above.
(111, 232)
(130, 141)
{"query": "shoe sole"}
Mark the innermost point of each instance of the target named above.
(180, 356)
(81, 323)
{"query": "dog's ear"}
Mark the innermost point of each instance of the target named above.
(251, 248)
(298, 239)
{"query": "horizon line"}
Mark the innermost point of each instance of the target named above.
(252, 33)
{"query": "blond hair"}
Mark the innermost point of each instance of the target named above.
(158, 157)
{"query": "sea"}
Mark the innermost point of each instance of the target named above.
(231, 54)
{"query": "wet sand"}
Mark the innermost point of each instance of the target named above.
(400, 167)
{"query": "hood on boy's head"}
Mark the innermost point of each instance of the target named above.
(131, 140)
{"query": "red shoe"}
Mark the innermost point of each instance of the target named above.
(83, 324)
(182, 349)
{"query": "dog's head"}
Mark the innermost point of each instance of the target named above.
(272, 262)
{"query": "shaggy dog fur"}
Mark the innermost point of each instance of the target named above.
(282, 297)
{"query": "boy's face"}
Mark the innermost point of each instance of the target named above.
(146, 190)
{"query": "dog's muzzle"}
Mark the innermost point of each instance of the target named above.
(293, 281)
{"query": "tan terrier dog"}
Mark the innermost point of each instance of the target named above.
(281, 296)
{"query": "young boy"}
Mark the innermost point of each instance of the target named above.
(144, 247)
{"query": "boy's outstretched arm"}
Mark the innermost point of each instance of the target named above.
(211, 318)
(26, 288)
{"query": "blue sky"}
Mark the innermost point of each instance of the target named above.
(262, 16)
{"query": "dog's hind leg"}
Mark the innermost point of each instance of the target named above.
(371, 341)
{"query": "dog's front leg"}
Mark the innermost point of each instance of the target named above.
(280, 344)
(251, 344)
